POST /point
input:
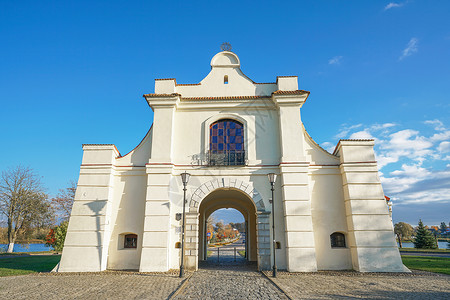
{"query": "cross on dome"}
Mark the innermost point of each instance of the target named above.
(225, 47)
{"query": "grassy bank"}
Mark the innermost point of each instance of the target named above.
(27, 264)
(28, 253)
(426, 263)
(424, 250)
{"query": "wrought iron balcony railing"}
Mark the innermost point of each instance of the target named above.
(226, 158)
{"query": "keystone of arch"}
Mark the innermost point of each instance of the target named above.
(206, 188)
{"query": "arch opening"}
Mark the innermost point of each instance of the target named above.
(232, 199)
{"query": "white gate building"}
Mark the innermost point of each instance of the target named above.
(229, 132)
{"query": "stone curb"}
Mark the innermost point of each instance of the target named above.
(180, 287)
(277, 286)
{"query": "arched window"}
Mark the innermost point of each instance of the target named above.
(226, 143)
(337, 240)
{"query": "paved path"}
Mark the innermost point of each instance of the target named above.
(227, 254)
(229, 280)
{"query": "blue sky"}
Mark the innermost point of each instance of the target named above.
(74, 72)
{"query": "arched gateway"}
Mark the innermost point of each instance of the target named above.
(228, 193)
(229, 132)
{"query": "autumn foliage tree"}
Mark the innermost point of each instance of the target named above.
(404, 231)
(22, 201)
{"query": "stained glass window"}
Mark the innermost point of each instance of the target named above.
(226, 135)
(226, 144)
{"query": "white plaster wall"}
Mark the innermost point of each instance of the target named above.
(225, 64)
(127, 217)
(191, 134)
(328, 214)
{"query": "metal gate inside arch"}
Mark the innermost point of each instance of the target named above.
(228, 193)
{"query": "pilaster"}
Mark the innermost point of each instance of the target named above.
(263, 240)
(156, 238)
(300, 245)
(191, 242)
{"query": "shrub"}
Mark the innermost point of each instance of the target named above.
(56, 236)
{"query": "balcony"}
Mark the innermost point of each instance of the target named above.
(226, 158)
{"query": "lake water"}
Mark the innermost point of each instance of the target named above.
(441, 245)
(26, 248)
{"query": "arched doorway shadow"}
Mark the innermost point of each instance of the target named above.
(228, 198)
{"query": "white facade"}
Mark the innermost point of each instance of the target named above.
(316, 193)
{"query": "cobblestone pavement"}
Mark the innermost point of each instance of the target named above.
(226, 280)
(354, 285)
(104, 285)
(229, 281)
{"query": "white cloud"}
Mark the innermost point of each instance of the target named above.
(335, 60)
(382, 126)
(343, 132)
(442, 136)
(417, 177)
(410, 49)
(361, 135)
(328, 146)
(407, 140)
(392, 5)
(444, 147)
(438, 125)
(415, 184)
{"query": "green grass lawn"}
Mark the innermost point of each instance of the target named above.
(242, 253)
(427, 263)
(22, 265)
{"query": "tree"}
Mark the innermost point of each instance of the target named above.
(238, 226)
(22, 201)
(404, 231)
(443, 228)
(63, 201)
(424, 238)
(219, 228)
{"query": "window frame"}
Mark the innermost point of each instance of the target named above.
(207, 124)
(336, 242)
(127, 245)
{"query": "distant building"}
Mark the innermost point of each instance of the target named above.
(229, 132)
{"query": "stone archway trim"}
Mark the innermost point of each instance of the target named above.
(206, 188)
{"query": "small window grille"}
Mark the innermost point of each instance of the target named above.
(130, 241)
(337, 240)
(225, 79)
